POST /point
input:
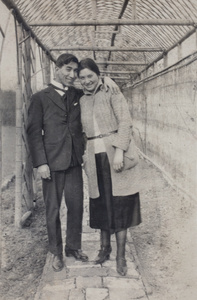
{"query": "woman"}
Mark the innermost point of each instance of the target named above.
(114, 191)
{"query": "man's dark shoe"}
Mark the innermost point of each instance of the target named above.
(57, 263)
(77, 254)
(104, 254)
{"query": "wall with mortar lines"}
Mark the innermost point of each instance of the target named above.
(163, 109)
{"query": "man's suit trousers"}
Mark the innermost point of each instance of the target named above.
(71, 183)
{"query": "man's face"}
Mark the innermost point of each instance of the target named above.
(67, 74)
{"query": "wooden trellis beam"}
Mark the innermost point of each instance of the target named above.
(107, 22)
(124, 6)
(188, 34)
(11, 5)
(132, 63)
(1, 30)
(118, 72)
(119, 78)
(125, 49)
(18, 184)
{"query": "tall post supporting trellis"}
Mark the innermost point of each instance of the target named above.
(26, 85)
(18, 187)
(46, 69)
(27, 44)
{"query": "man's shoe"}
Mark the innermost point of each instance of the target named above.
(77, 254)
(104, 254)
(57, 263)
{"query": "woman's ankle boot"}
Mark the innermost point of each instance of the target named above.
(121, 266)
(104, 254)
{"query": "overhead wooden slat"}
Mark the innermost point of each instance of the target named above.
(11, 5)
(188, 34)
(116, 27)
(177, 16)
(155, 22)
(134, 63)
(84, 48)
(118, 72)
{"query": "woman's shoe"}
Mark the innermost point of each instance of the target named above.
(104, 254)
(121, 266)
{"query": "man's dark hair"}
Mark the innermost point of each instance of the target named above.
(90, 64)
(65, 59)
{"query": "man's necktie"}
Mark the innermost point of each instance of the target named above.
(58, 88)
(65, 101)
(64, 96)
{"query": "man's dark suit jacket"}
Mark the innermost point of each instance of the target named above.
(53, 131)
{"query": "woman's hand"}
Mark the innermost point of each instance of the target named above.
(110, 84)
(118, 160)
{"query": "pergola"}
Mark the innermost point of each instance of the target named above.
(125, 37)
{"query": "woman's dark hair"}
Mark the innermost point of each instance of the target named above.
(65, 59)
(90, 64)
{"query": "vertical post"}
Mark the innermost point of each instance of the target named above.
(47, 69)
(33, 85)
(0, 177)
(94, 28)
(33, 79)
(27, 66)
(179, 50)
(3, 41)
(196, 38)
(18, 187)
(165, 60)
(27, 168)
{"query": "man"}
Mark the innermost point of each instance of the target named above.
(57, 145)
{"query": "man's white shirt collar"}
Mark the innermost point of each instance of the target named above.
(59, 85)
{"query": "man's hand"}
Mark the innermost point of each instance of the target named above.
(110, 84)
(118, 160)
(44, 172)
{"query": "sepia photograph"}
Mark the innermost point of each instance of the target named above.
(98, 149)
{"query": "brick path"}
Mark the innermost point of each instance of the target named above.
(86, 281)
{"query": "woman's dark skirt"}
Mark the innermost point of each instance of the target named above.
(108, 212)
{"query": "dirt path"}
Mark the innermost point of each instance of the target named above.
(165, 243)
(166, 240)
(24, 251)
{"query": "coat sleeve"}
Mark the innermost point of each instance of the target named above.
(34, 131)
(123, 117)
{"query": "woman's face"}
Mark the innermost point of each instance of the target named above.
(89, 79)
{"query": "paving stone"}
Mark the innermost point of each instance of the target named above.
(76, 294)
(85, 282)
(52, 275)
(97, 294)
(52, 295)
(88, 229)
(131, 273)
(58, 285)
(132, 270)
(73, 263)
(123, 282)
(93, 236)
(125, 294)
(60, 288)
(88, 271)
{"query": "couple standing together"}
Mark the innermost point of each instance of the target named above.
(68, 127)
